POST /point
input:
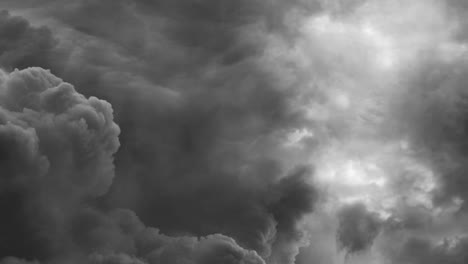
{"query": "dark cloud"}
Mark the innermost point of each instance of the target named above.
(203, 121)
(103, 234)
(199, 119)
(56, 150)
(259, 215)
(198, 114)
(23, 46)
(211, 249)
(357, 228)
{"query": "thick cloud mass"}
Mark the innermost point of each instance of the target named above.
(199, 116)
(120, 237)
(238, 120)
(199, 143)
(56, 150)
(21, 45)
(57, 154)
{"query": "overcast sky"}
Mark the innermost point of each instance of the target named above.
(233, 132)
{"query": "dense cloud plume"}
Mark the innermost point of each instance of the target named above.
(57, 150)
(197, 158)
(23, 45)
(199, 117)
(120, 237)
(57, 153)
(238, 120)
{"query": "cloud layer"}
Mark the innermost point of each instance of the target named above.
(237, 121)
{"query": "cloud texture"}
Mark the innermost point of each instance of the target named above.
(248, 130)
(189, 162)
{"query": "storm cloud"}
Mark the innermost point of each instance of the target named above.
(243, 128)
(357, 228)
(57, 150)
(197, 153)
(23, 45)
(57, 155)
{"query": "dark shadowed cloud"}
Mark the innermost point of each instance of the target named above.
(57, 155)
(22, 45)
(357, 228)
(199, 118)
(56, 151)
(236, 120)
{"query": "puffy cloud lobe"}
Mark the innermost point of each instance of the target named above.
(211, 249)
(199, 121)
(72, 139)
(121, 231)
(50, 131)
(261, 217)
(76, 134)
(198, 114)
(271, 228)
(22, 45)
(56, 149)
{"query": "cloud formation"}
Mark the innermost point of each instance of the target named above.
(357, 228)
(237, 121)
(57, 154)
(194, 169)
(23, 45)
(57, 150)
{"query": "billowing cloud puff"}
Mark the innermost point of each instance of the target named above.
(211, 249)
(57, 154)
(76, 136)
(56, 150)
(218, 102)
(199, 120)
(120, 231)
(23, 46)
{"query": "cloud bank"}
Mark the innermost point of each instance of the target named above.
(249, 132)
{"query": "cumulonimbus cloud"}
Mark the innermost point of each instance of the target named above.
(57, 150)
(57, 153)
(206, 93)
